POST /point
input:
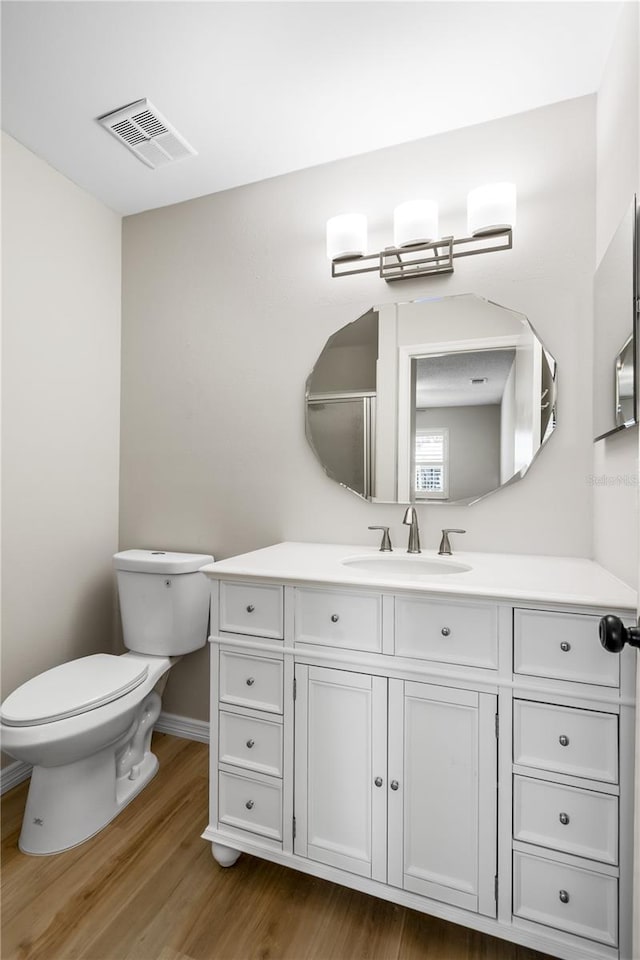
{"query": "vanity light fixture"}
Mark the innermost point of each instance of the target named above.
(417, 250)
(346, 236)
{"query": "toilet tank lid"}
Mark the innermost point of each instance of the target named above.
(72, 688)
(160, 561)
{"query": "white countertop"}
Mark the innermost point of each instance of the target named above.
(568, 581)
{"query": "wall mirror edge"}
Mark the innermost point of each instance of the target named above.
(380, 378)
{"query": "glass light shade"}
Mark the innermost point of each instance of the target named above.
(346, 236)
(415, 221)
(491, 208)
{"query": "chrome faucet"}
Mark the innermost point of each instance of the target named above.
(445, 547)
(411, 519)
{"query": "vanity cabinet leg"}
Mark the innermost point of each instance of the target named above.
(225, 856)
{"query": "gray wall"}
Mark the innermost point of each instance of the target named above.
(474, 447)
(228, 300)
(615, 465)
(61, 405)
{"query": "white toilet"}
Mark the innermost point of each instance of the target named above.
(86, 725)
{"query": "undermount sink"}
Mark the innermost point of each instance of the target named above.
(403, 566)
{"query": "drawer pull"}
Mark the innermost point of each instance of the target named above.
(565, 646)
(334, 618)
(564, 818)
(445, 631)
(563, 741)
(394, 784)
(250, 681)
(564, 896)
(251, 743)
(249, 804)
(378, 781)
(250, 608)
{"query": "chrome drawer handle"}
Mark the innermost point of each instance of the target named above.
(334, 618)
(249, 804)
(564, 896)
(394, 784)
(565, 646)
(564, 818)
(563, 741)
(250, 681)
(251, 743)
(378, 781)
(250, 608)
(445, 631)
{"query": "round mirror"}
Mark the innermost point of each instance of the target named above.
(442, 400)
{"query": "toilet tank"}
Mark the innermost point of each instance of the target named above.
(164, 601)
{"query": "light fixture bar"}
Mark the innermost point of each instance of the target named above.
(425, 259)
(399, 263)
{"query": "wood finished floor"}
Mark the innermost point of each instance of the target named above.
(147, 888)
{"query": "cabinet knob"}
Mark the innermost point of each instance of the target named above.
(249, 804)
(445, 631)
(564, 896)
(565, 646)
(334, 618)
(250, 743)
(563, 741)
(394, 784)
(378, 781)
(564, 818)
(250, 608)
(250, 681)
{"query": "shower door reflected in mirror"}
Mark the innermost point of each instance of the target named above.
(444, 400)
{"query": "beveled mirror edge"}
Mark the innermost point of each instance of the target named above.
(467, 501)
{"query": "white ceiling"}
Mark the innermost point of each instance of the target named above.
(265, 88)
(445, 380)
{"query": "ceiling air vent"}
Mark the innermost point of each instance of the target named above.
(144, 131)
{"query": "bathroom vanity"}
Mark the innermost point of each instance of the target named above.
(449, 735)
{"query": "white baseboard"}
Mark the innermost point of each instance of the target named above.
(183, 727)
(13, 774)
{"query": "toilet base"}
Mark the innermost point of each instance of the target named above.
(70, 803)
(67, 805)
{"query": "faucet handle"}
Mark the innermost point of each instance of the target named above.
(445, 546)
(385, 546)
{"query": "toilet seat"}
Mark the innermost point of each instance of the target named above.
(72, 688)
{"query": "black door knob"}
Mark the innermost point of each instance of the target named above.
(614, 634)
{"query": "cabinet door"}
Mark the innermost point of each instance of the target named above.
(340, 753)
(443, 796)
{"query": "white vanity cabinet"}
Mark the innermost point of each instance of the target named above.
(396, 781)
(443, 798)
(340, 733)
(469, 756)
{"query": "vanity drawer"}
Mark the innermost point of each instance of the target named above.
(349, 620)
(578, 901)
(448, 632)
(250, 804)
(250, 743)
(581, 743)
(254, 609)
(251, 681)
(581, 822)
(563, 646)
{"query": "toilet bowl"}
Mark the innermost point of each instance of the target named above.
(86, 725)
